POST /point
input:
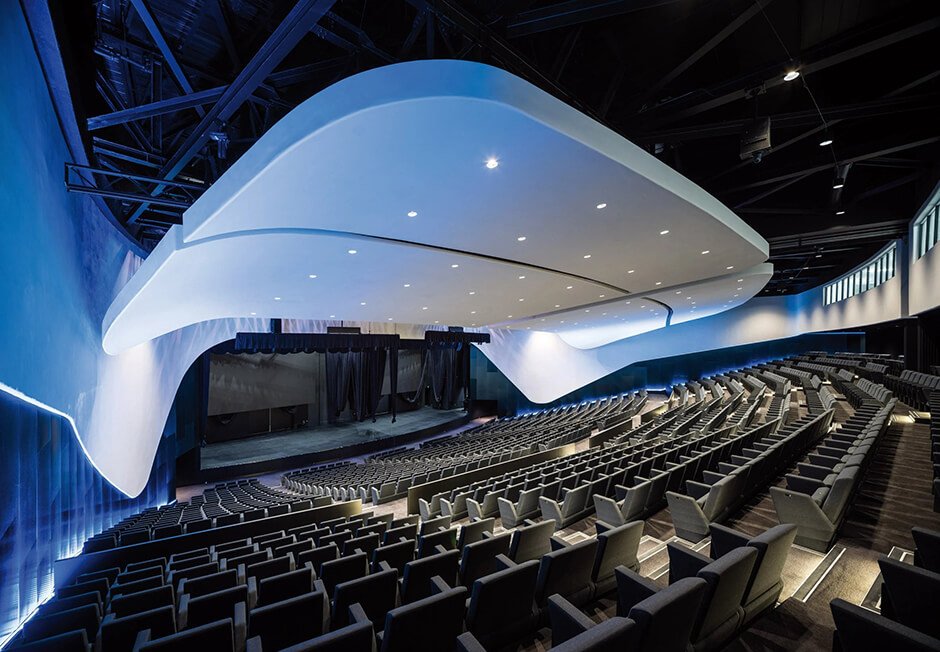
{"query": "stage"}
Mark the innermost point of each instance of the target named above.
(286, 450)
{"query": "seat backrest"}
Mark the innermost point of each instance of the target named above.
(838, 498)
(376, 594)
(366, 543)
(927, 544)
(431, 525)
(727, 579)
(216, 606)
(428, 543)
(416, 580)
(133, 603)
(431, 624)
(75, 640)
(473, 532)
(910, 596)
(773, 547)
(531, 541)
(346, 568)
(406, 531)
(575, 500)
(613, 635)
(288, 622)
(567, 572)
(665, 619)
(479, 559)
(120, 633)
(395, 555)
(861, 630)
(352, 638)
(318, 556)
(269, 567)
(215, 636)
(85, 617)
(617, 547)
(503, 600)
(99, 586)
(286, 585)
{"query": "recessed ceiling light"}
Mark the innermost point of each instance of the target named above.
(818, 255)
(627, 302)
(521, 238)
(562, 321)
(838, 184)
(522, 277)
(601, 206)
(412, 213)
(740, 280)
(791, 75)
(707, 251)
(543, 319)
(424, 307)
(644, 307)
(840, 212)
(587, 310)
(664, 232)
(730, 267)
(659, 282)
(492, 163)
(601, 296)
(738, 288)
(630, 271)
(826, 142)
(508, 316)
(678, 291)
(587, 255)
(576, 323)
(312, 276)
(254, 313)
(603, 314)
(557, 305)
(568, 287)
(454, 266)
(407, 285)
(437, 321)
(473, 312)
(277, 298)
(472, 292)
(352, 251)
(689, 298)
(390, 319)
(521, 299)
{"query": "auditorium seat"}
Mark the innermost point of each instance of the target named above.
(344, 569)
(394, 555)
(229, 604)
(861, 630)
(73, 641)
(377, 594)
(927, 548)
(430, 624)
(218, 636)
(531, 541)
(766, 582)
(566, 572)
(571, 509)
(615, 547)
(291, 621)
(434, 542)
(572, 630)
(356, 637)
(85, 618)
(416, 581)
(664, 617)
(278, 588)
(126, 605)
(502, 604)
(475, 531)
(910, 596)
(514, 513)
(479, 559)
(120, 633)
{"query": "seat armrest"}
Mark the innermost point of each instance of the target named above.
(567, 620)
(802, 485)
(357, 614)
(384, 566)
(183, 614)
(711, 477)
(558, 544)
(603, 527)
(813, 471)
(143, 637)
(823, 460)
(240, 625)
(503, 562)
(467, 642)
(620, 492)
(254, 645)
(438, 585)
(252, 592)
(684, 562)
(632, 588)
(241, 574)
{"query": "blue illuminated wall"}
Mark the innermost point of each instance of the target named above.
(61, 262)
(51, 500)
(489, 384)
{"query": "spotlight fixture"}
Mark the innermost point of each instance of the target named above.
(492, 163)
(412, 213)
(791, 75)
(825, 142)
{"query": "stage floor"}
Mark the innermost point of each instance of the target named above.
(279, 445)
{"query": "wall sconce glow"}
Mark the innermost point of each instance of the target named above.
(492, 163)
(791, 75)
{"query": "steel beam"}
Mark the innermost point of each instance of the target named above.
(709, 45)
(159, 39)
(162, 107)
(806, 69)
(574, 12)
(299, 21)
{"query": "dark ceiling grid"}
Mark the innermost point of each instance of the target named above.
(183, 87)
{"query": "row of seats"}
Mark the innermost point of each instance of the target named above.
(913, 387)
(388, 477)
(934, 406)
(909, 597)
(818, 497)
(740, 475)
(226, 504)
(708, 601)
(860, 391)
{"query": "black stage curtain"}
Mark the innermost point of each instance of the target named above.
(447, 368)
(355, 378)
(310, 342)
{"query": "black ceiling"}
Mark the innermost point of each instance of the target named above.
(682, 78)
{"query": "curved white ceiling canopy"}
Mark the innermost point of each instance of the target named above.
(469, 196)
